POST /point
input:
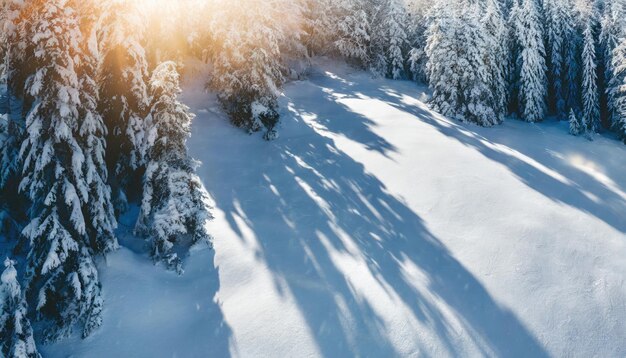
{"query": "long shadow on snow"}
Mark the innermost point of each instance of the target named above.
(497, 145)
(161, 301)
(312, 204)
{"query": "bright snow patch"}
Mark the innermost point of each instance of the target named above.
(374, 227)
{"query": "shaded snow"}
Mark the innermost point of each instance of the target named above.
(374, 227)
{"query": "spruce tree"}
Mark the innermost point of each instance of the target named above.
(575, 127)
(62, 278)
(92, 136)
(319, 23)
(174, 209)
(460, 76)
(613, 29)
(353, 31)
(389, 40)
(498, 60)
(247, 67)
(15, 67)
(572, 65)
(123, 102)
(15, 329)
(531, 66)
(416, 33)
(559, 27)
(617, 88)
(591, 106)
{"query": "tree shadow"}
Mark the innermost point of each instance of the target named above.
(337, 240)
(546, 165)
(152, 312)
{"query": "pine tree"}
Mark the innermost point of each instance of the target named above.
(591, 106)
(9, 13)
(498, 62)
(513, 89)
(247, 67)
(15, 329)
(575, 127)
(92, 136)
(14, 65)
(613, 28)
(320, 21)
(531, 67)
(460, 76)
(416, 33)
(353, 31)
(389, 39)
(61, 275)
(123, 71)
(617, 88)
(174, 209)
(559, 28)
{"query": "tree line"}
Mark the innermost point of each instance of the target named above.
(87, 127)
(90, 120)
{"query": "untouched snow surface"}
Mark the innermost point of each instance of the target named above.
(374, 227)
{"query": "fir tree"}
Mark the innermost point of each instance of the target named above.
(174, 209)
(591, 106)
(15, 67)
(575, 127)
(531, 67)
(389, 40)
(61, 276)
(92, 136)
(123, 103)
(613, 28)
(460, 77)
(617, 88)
(572, 64)
(15, 329)
(416, 33)
(247, 68)
(320, 21)
(559, 31)
(498, 60)
(353, 31)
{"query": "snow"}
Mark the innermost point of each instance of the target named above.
(375, 227)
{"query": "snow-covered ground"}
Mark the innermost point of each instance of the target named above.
(374, 227)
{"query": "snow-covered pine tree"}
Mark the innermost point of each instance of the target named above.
(531, 66)
(613, 27)
(617, 88)
(12, 59)
(353, 31)
(319, 24)
(247, 68)
(92, 135)
(498, 62)
(575, 127)
(417, 25)
(389, 39)
(572, 65)
(514, 54)
(61, 275)
(590, 96)
(559, 22)
(124, 101)
(16, 65)
(15, 329)
(459, 75)
(9, 12)
(174, 208)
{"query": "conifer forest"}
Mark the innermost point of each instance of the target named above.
(312, 178)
